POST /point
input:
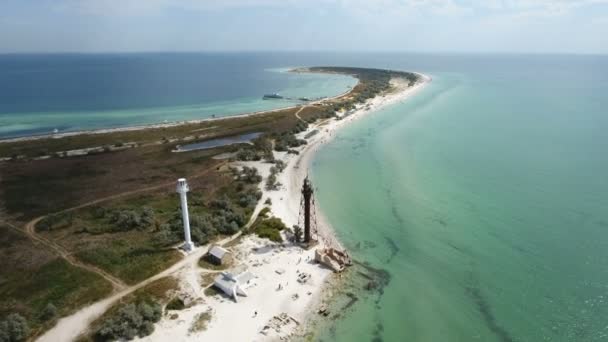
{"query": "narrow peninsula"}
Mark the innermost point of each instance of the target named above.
(93, 228)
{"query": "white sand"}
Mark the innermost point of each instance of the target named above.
(236, 321)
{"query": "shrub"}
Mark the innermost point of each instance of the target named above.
(130, 321)
(249, 175)
(49, 312)
(280, 165)
(175, 304)
(55, 221)
(14, 328)
(247, 154)
(297, 233)
(264, 213)
(270, 228)
(147, 217)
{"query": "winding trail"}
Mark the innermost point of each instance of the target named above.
(30, 231)
(297, 114)
(71, 327)
(120, 288)
(119, 285)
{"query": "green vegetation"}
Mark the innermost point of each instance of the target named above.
(298, 233)
(130, 321)
(288, 140)
(269, 228)
(176, 304)
(39, 287)
(14, 329)
(271, 181)
(131, 262)
(133, 237)
(55, 221)
(261, 149)
(135, 314)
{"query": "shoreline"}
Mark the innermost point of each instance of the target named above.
(273, 263)
(265, 300)
(130, 128)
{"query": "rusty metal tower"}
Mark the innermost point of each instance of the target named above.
(307, 209)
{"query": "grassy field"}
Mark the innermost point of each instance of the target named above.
(31, 278)
(136, 248)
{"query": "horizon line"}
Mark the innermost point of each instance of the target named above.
(109, 52)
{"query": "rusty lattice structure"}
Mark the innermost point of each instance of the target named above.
(307, 212)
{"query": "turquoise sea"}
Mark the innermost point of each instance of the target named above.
(477, 210)
(72, 92)
(484, 198)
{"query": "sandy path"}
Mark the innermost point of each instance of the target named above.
(30, 230)
(70, 327)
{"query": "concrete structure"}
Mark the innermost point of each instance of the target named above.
(219, 256)
(182, 189)
(333, 258)
(234, 282)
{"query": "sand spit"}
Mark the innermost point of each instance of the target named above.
(277, 305)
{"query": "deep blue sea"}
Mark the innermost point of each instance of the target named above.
(40, 93)
(483, 199)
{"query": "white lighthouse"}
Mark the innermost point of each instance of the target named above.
(182, 190)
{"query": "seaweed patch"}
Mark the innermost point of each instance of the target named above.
(486, 312)
(394, 249)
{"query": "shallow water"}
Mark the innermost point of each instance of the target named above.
(40, 93)
(485, 197)
(205, 145)
(480, 204)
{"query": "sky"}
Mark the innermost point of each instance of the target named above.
(514, 26)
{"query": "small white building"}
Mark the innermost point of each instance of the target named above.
(235, 282)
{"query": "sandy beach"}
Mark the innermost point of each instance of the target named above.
(274, 297)
(276, 266)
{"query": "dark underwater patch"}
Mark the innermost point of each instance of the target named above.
(486, 313)
(392, 246)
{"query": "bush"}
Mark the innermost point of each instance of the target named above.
(130, 321)
(55, 221)
(247, 154)
(297, 233)
(14, 328)
(264, 213)
(280, 165)
(49, 312)
(271, 182)
(175, 304)
(287, 140)
(249, 175)
(270, 228)
(147, 217)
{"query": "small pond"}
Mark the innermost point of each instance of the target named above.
(225, 141)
